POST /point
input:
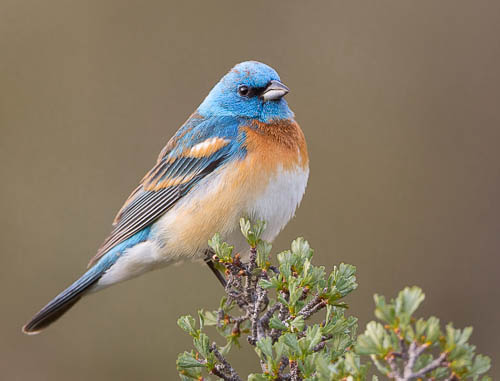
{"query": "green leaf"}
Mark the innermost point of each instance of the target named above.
(285, 263)
(279, 349)
(277, 324)
(375, 340)
(324, 371)
(456, 338)
(298, 323)
(314, 336)
(301, 248)
(341, 282)
(480, 365)
(290, 340)
(209, 318)
(407, 303)
(295, 292)
(263, 250)
(433, 330)
(258, 228)
(188, 324)
(440, 373)
(465, 336)
(384, 311)
(245, 227)
(187, 360)
(221, 249)
(265, 346)
(252, 233)
(202, 345)
(266, 284)
(353, 365)
(201, 317)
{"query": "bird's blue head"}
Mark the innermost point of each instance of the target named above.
(251, 90)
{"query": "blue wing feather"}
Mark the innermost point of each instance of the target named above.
(150, 200)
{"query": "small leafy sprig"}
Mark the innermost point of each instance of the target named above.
(272, 305)
(405, 348)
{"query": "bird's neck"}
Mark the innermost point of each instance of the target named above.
(265, 112)
(275, 110)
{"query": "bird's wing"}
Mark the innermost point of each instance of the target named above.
(198, 149)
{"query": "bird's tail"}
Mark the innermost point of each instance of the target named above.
(64, 301)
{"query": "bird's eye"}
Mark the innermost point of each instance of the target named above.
(243, 90)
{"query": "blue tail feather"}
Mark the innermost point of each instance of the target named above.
(67, 298)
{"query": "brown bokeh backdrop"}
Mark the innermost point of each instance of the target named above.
(399, 101)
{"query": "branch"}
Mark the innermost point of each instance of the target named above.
(412, 357)
(257, 329)
(223, 370)
(322, 344)
(409, 355)
(430, 367)
(282, 315)
(294, 371)
(313, 306)
(264, 320)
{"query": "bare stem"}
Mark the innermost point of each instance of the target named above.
(430, 367)
(269, 314)
(294, 371)
(223, 370)
(409, 355)
(314, 305)
(257, 328)
(322, 344)
(395, 374)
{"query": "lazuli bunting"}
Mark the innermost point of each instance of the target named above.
(240, 154)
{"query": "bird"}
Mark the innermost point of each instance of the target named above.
(240, 154)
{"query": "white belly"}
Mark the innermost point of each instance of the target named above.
(280, 199)
(276, 205)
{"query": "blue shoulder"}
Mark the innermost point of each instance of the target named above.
(198, 129)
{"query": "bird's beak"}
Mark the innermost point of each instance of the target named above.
(274, 91)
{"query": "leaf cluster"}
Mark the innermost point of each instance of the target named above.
(405, 348)
(270, 302)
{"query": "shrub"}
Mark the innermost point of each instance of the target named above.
(271, 306)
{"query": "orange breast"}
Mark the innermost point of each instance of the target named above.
(270, 145)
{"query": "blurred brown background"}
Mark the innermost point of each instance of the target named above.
(399, 101)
